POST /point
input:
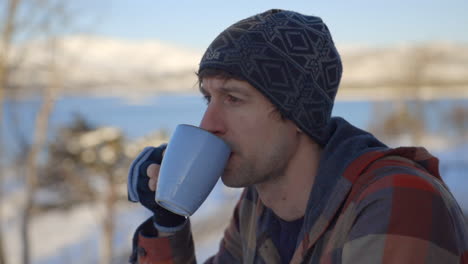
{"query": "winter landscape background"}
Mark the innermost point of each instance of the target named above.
(84, 86)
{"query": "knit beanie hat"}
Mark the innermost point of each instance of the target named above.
(290, 58)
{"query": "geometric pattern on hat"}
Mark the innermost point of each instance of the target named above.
(290, 58)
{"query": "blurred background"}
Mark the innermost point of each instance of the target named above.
(86, 85)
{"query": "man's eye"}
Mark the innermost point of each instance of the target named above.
(207, 98)
(233, 100)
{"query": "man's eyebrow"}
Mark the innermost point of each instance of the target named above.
(227, 89)
(234, 89)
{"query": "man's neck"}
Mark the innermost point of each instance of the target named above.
(288, 194)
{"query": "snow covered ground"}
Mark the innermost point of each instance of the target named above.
(454, 170)
(73, 236)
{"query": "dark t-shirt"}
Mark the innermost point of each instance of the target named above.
(284, 236)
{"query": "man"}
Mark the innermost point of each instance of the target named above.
(316, 189)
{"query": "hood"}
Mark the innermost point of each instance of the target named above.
(345, 144)
(348, 152)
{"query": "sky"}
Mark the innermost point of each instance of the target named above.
(194, 24)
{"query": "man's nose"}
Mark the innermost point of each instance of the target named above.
(213, 120)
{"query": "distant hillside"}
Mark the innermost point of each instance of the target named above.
(423, 64)
(105, 66)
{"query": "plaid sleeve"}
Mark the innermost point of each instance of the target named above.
(176, 249)
(406, 216)
(179, 248)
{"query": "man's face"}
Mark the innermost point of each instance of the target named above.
(262, 143)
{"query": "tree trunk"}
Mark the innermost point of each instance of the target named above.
(40, 136)
(2, 252)
(6, 39)
(2, 159)
(109, 220)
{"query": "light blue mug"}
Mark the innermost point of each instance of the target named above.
(193, 162)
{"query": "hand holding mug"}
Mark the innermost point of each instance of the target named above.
(142, 179)
(193, 163)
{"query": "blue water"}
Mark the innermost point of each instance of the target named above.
(159, 112)
(135, 120)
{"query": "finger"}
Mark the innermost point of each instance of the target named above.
(152, 184)
(153, 170)
(153, 173)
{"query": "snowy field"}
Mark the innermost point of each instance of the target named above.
(73, 236)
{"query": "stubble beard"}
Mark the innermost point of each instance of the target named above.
(245, 173)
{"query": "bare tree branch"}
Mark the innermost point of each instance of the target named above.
(40, 134)
(5, 43)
